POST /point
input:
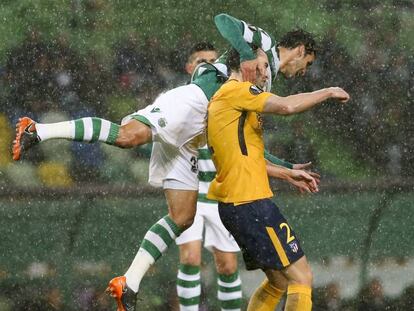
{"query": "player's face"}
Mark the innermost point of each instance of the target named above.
(263, 62)
(299, 64)
(198, 58)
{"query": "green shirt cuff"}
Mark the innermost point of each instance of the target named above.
(275, 160)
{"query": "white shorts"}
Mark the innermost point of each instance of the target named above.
(177, 119)
(216, 235)
(173, 168)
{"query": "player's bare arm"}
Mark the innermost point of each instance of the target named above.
(301, 102)
(298, 166)
(299, 178)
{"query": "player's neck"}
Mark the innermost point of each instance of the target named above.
(285, 56)
(236, 75)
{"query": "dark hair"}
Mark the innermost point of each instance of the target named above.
(297, 37)
(202, 46)
(233, 58)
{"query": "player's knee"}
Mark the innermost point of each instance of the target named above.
(191, 258)
(132, 136)
(305, 277)
(308, 277)
(183, 218)
(125, 138)
(187, 222)
(226, 267)
(278, 284)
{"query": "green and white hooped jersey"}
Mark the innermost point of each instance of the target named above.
(210, 77)
(206, 174)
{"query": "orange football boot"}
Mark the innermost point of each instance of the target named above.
(125, 297)
(26, 137)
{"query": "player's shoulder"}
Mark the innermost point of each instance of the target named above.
(218, 69)
(243, 87)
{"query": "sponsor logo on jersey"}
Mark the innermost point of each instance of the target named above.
(162, 122)
(155, 109)
(194, 165)
(294, 247)
(255, 90)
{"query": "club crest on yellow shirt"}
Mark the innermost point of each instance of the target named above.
(255, 90)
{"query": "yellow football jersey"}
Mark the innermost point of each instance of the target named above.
(235, 137)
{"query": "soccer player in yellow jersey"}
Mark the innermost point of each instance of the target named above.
(242, 188)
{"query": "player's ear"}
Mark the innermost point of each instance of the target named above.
(189, 68)
(301, 50)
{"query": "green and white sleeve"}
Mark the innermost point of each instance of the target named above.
(241, 34)
(275, 160)
(232, 30)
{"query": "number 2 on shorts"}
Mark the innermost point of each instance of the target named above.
(289, 238)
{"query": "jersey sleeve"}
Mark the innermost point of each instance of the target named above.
(241, 35)
(249, 97)
(232, 30)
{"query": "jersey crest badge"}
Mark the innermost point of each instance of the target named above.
(294, 247)
(255, 90)
(162, 122)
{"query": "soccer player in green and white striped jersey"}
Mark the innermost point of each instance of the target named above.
(174, 122)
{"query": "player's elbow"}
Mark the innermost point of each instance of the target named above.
(222, 21)
(278, 105)
(220, 17)
(287, 110)
(282, 109)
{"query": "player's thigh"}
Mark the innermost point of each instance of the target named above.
(173, 168)
(190, 253)
(264, 235)
(181, 206)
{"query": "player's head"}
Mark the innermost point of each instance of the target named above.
(297, 50)
(233, 63)
(201, 52)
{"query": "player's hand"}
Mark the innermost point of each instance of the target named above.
(301, 166)
(305, 166)
(339, 94)
(302, 186)
(248, 69)
(303, 180)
